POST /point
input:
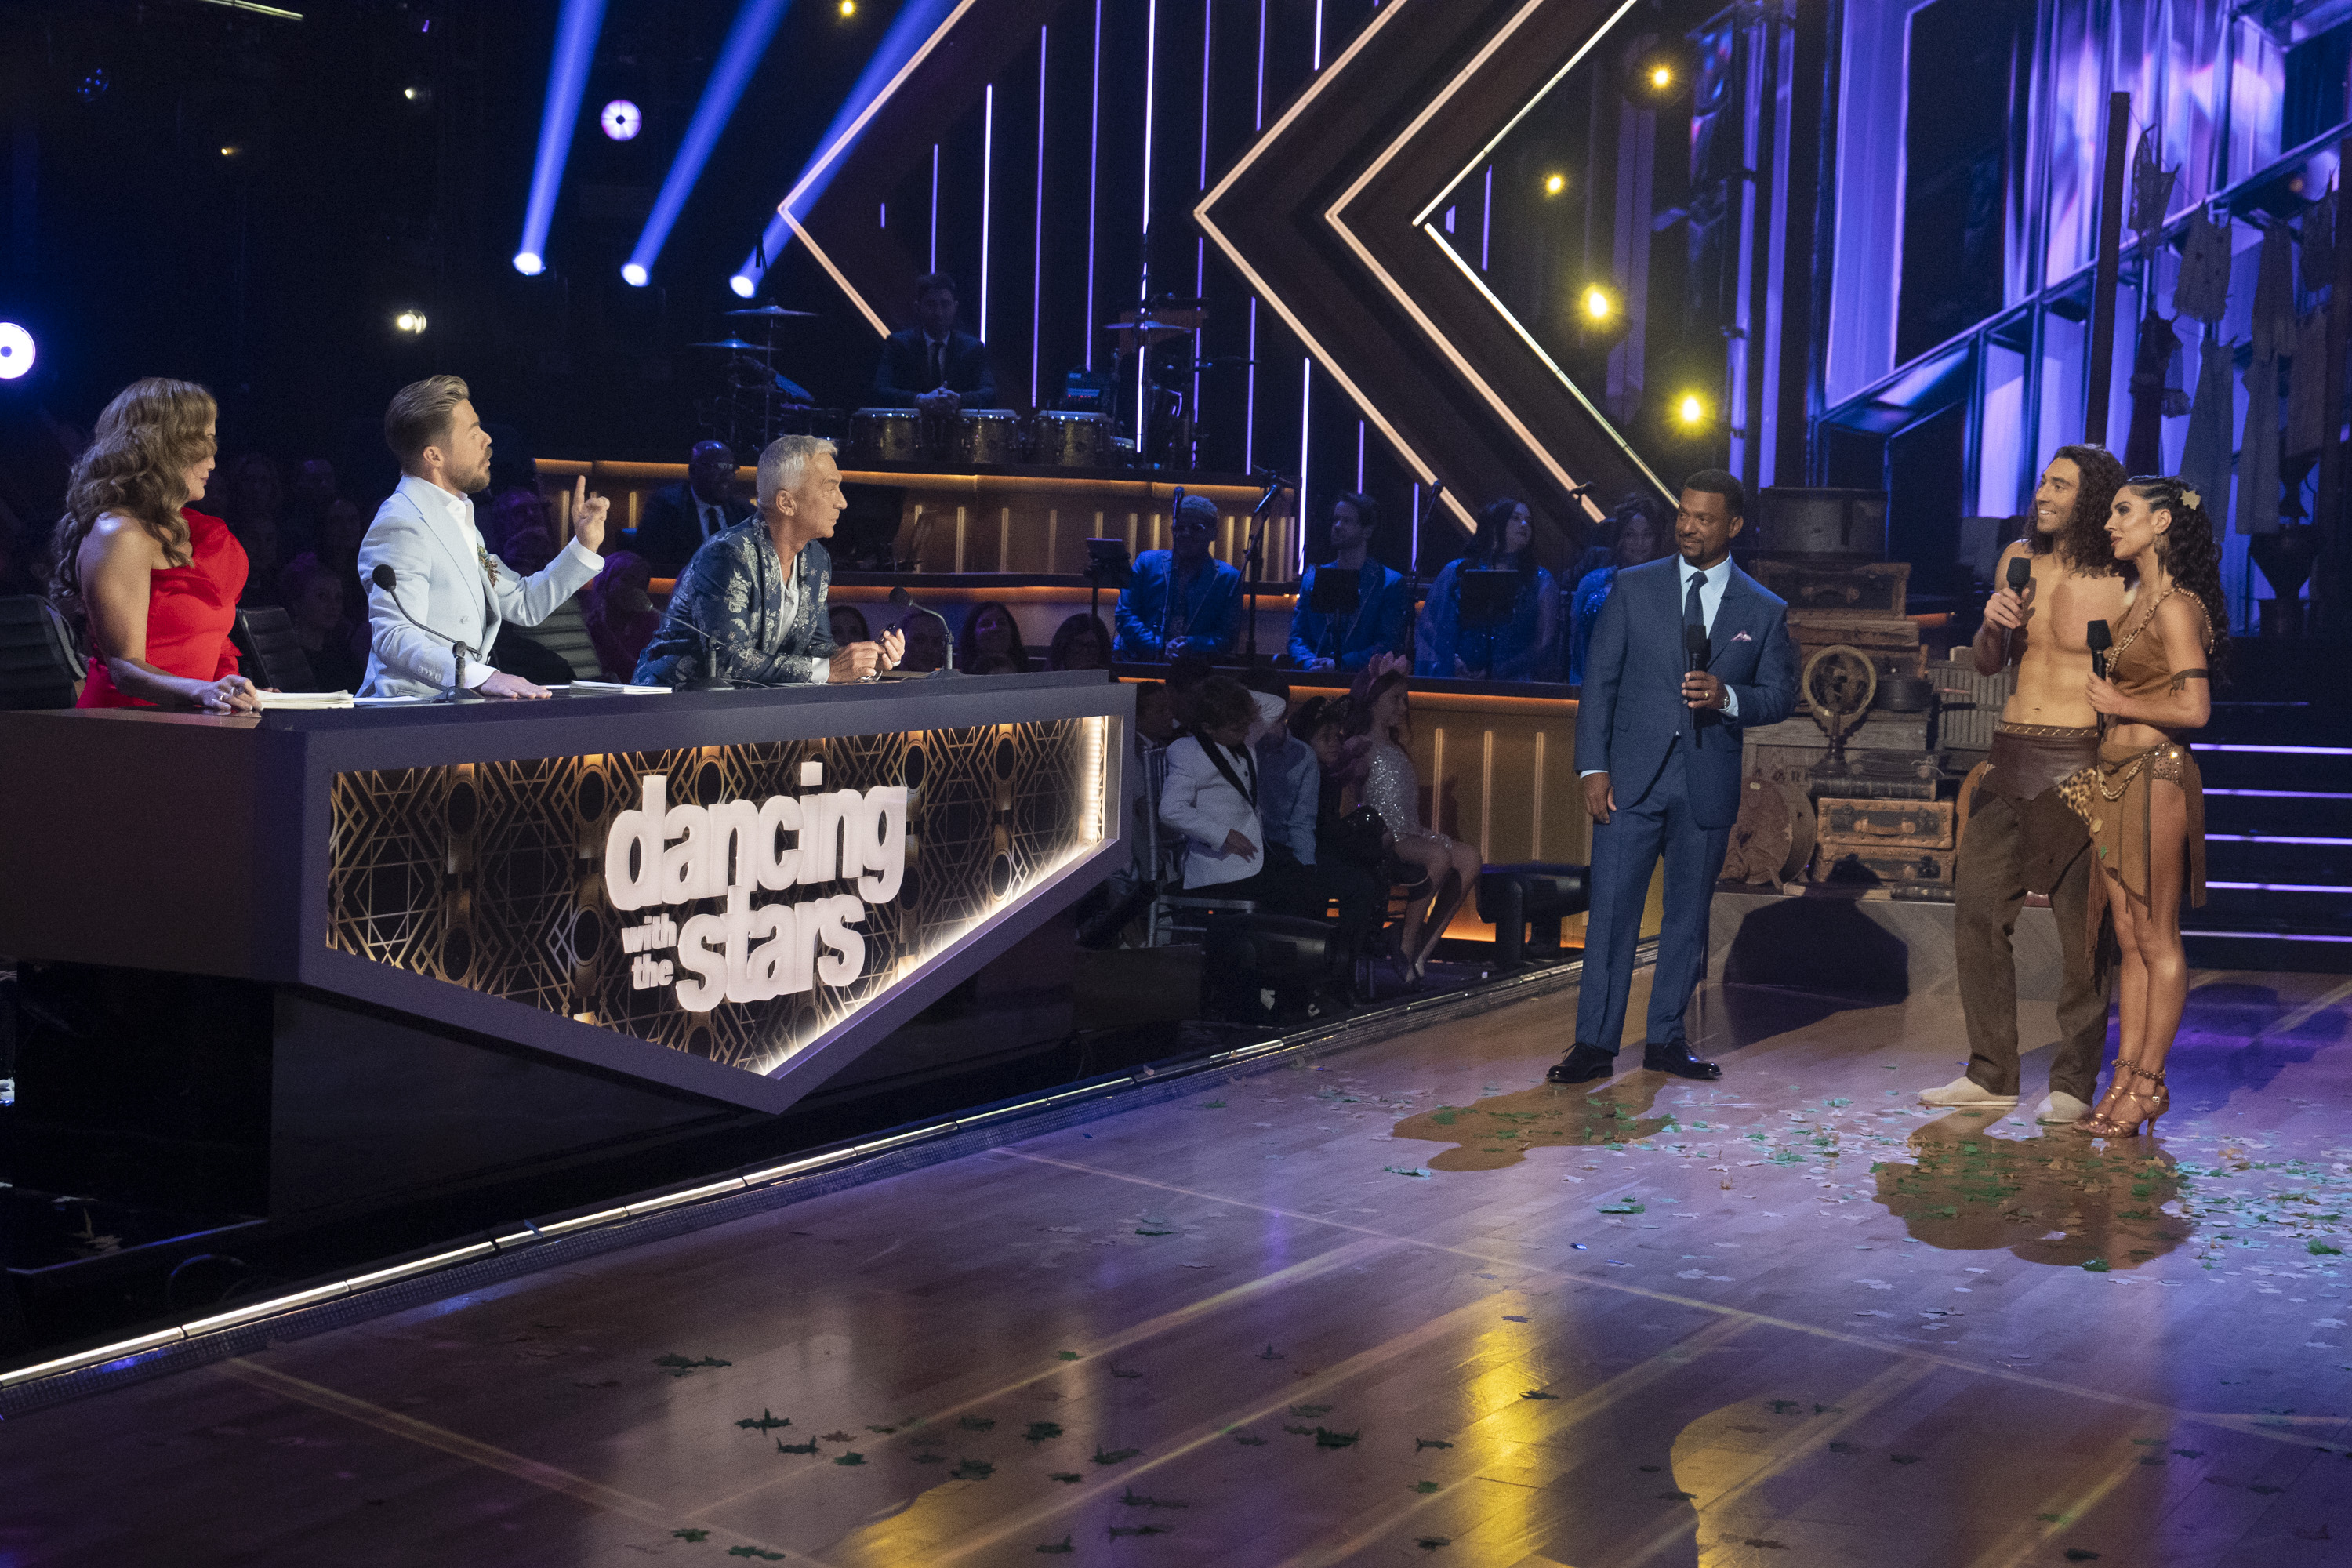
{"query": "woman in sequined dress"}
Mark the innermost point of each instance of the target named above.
(1381, 758)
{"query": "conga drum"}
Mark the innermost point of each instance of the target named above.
(886, 435)
(1063, 438)
(987, 435)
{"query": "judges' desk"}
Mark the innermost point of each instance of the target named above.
(704, 896)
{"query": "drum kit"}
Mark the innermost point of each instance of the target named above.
(757, 403)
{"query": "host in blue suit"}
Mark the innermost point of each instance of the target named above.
(1657, 742)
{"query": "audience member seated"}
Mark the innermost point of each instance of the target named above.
(521, 531)
(341, 528)
(1638, 533)
(153, 581)
(334, 645)
(1350, 640)
(1347, 860)
(309, 494)
(1155, 716)
(755, 596)
(619, 609)
(1181, 600)
(848, 623)
(1379, 756)
(926, 644)
(1081, 642)
(1212, 797)
(1524, 644)
(680, 519)
(991, 632)
(931, 365)
(254, 506)
(994, 664)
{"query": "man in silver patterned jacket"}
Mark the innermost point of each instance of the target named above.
(751, 605)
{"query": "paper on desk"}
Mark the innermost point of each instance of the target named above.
(612, 688)
(291, 700)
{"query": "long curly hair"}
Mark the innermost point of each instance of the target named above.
(2083, 545)
(137, 463)
(1490, 546)
(2192, 554)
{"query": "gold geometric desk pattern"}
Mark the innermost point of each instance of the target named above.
(798, 881)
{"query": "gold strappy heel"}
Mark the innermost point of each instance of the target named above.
(2122, 1113)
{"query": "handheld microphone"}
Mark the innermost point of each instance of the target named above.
(906, 601)
(385, 578)
(2020, 572)
(2101, 637)
(1695, 656)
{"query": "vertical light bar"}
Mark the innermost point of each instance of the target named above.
(1360, 454)
(1319, 34)
(1305, 411)
(1094, 182)
(935, 207)
(1487, 220)
(1150, 90)
(1200, 241)
(576, 30)
(987, 193)
(747, 44)
(1037, 239)
(1249, 406)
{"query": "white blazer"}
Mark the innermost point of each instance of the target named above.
(1197, 802)
(428, 539)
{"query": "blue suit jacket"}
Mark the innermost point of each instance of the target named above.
(1631, 710)
(1380, 612)
(1213, 607)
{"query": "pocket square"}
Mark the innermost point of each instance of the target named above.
(1743, 637)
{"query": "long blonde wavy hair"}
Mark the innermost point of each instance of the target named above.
(137, 463)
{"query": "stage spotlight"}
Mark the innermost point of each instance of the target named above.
(746, 43)
(621, 119)
(1600, 305)
(635, 276)
(848, 8)
(419, 96)
(528, 264)
(744, 288)
(1555, 184)
(576, 29)
(17, 351)
(1659, 71)
(1690, 413)
(409, 321)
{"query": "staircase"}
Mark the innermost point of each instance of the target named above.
(2278, 839)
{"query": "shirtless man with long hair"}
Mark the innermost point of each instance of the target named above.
(2020, 837)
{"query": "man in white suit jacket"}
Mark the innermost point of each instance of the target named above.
(442, 572)
(1212, 798)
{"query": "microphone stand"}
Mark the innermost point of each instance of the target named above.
(1409, 633)
(456, 691)
(906, 601)
(1253, 562)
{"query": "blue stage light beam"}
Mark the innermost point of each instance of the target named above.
(576, 31)
(914, 32)
(738, 57)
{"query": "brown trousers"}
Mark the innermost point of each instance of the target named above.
(1998, 860)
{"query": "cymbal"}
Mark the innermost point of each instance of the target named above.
(1167, 316)
(1151, 330)
(777, 311)
(738, 344)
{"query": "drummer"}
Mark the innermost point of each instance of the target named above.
(931, 365)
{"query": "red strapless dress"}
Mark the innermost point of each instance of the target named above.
(190, 610)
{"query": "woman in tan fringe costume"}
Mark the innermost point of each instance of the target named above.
(2143, 801)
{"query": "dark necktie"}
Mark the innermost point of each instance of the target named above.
(939, 364)
(1694, 613)
(709, 521)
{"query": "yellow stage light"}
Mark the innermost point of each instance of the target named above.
(1661, 77)
(849, 8)
(1691, 409)
(1598, 305)
(1555, 185)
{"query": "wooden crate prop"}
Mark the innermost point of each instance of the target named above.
(1893, 823)
(1970, 704)
(1875, 588)
(1892, 645)
(1875, 864)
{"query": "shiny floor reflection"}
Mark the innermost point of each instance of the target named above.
(1405, 1304)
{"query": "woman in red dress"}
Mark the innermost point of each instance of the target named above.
(155, 584)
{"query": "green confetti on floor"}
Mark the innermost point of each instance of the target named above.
(755, 1552)
(1118, 1529)
(1421, 1443)
(1424, 1487)
(1306, 1411)
(977, 1424)
(1628, 1206)
(767, 1420)
(1432, 1543)
(1537, 1393)
(1067, 1477)
(1066, 1355)
(1677, 1497)
(1212, 1105)
(1041, 1432)
(1115, 1455)
(972, 1470)
(1133, 1499)
(1326, 1438)
(2095, 1265)
(691, 1534)
(850, 1459)
(1061, 1548)
(784, 1448)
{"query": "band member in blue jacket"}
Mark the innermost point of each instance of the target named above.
(1350, 639)
(1686, 653)
(1182, 600)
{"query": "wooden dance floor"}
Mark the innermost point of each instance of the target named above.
(1402, 1305)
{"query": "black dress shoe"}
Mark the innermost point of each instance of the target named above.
(1582, 1065)
(1677, 1059)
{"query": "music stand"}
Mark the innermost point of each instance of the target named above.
(1105, 559)
(1485, 603)
(1335, 595)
